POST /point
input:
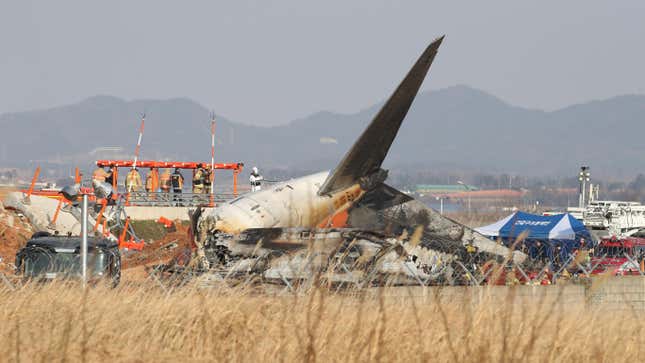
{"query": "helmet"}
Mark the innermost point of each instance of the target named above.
(255, 170)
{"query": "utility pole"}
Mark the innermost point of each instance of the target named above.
(212, 173)
(84, 241)
(468, 191)
(440, 203)
(583, 178)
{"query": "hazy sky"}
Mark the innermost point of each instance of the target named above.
(268, 62)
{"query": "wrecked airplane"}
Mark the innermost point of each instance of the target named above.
(346, 224)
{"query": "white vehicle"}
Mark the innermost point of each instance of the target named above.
(617, 217)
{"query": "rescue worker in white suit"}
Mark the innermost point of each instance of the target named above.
(256, 180)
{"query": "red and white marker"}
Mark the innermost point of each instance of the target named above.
(212, 151)
(136, 151)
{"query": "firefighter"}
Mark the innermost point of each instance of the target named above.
(165, 182)
(110, 176)
(152, 181)
(100, 174)
(133, 181)
(470, 248)
(208, 180)
(256, 180)
(198, 179)
(177, 184)
(177, 181)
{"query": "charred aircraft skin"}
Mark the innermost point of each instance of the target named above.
(340, 254)
(348, 204)
(294, 203)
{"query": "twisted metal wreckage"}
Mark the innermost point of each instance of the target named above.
(346, 225)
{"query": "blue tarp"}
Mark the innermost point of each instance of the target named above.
(547, 236)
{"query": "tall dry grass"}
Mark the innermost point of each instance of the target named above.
(144, 324)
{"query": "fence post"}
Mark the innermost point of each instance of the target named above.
(84, 241)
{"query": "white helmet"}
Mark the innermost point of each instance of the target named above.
(255, 170)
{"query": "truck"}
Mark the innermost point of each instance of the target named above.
(619, 256)
(47, 257)
(614, 217)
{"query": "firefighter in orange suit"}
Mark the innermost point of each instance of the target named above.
(100, 174)
(133, 181)
(152, 181)
(164, 181)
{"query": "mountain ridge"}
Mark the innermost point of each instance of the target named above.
(455, 127)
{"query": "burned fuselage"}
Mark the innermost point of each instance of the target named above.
(295, 203)
(320, 218)
(321, 199)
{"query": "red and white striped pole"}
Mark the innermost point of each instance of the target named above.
(212, 152)
(136, 151)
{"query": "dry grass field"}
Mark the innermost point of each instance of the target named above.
(141, 323)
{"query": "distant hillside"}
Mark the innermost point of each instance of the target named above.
(455, 128)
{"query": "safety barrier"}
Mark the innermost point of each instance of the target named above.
(171, 199)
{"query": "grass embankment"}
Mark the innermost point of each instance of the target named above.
(151, 230)
(134, 323)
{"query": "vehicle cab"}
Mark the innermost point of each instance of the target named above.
(46, 258)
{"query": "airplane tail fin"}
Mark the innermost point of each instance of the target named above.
(368, 152)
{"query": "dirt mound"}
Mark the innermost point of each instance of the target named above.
(15, 230)
(173, 244)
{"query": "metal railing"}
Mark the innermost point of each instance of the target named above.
(171, 199)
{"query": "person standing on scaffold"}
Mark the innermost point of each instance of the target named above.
(256, 180)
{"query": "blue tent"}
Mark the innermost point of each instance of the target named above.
(545, 235)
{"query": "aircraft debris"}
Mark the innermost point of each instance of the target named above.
(345, 225)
